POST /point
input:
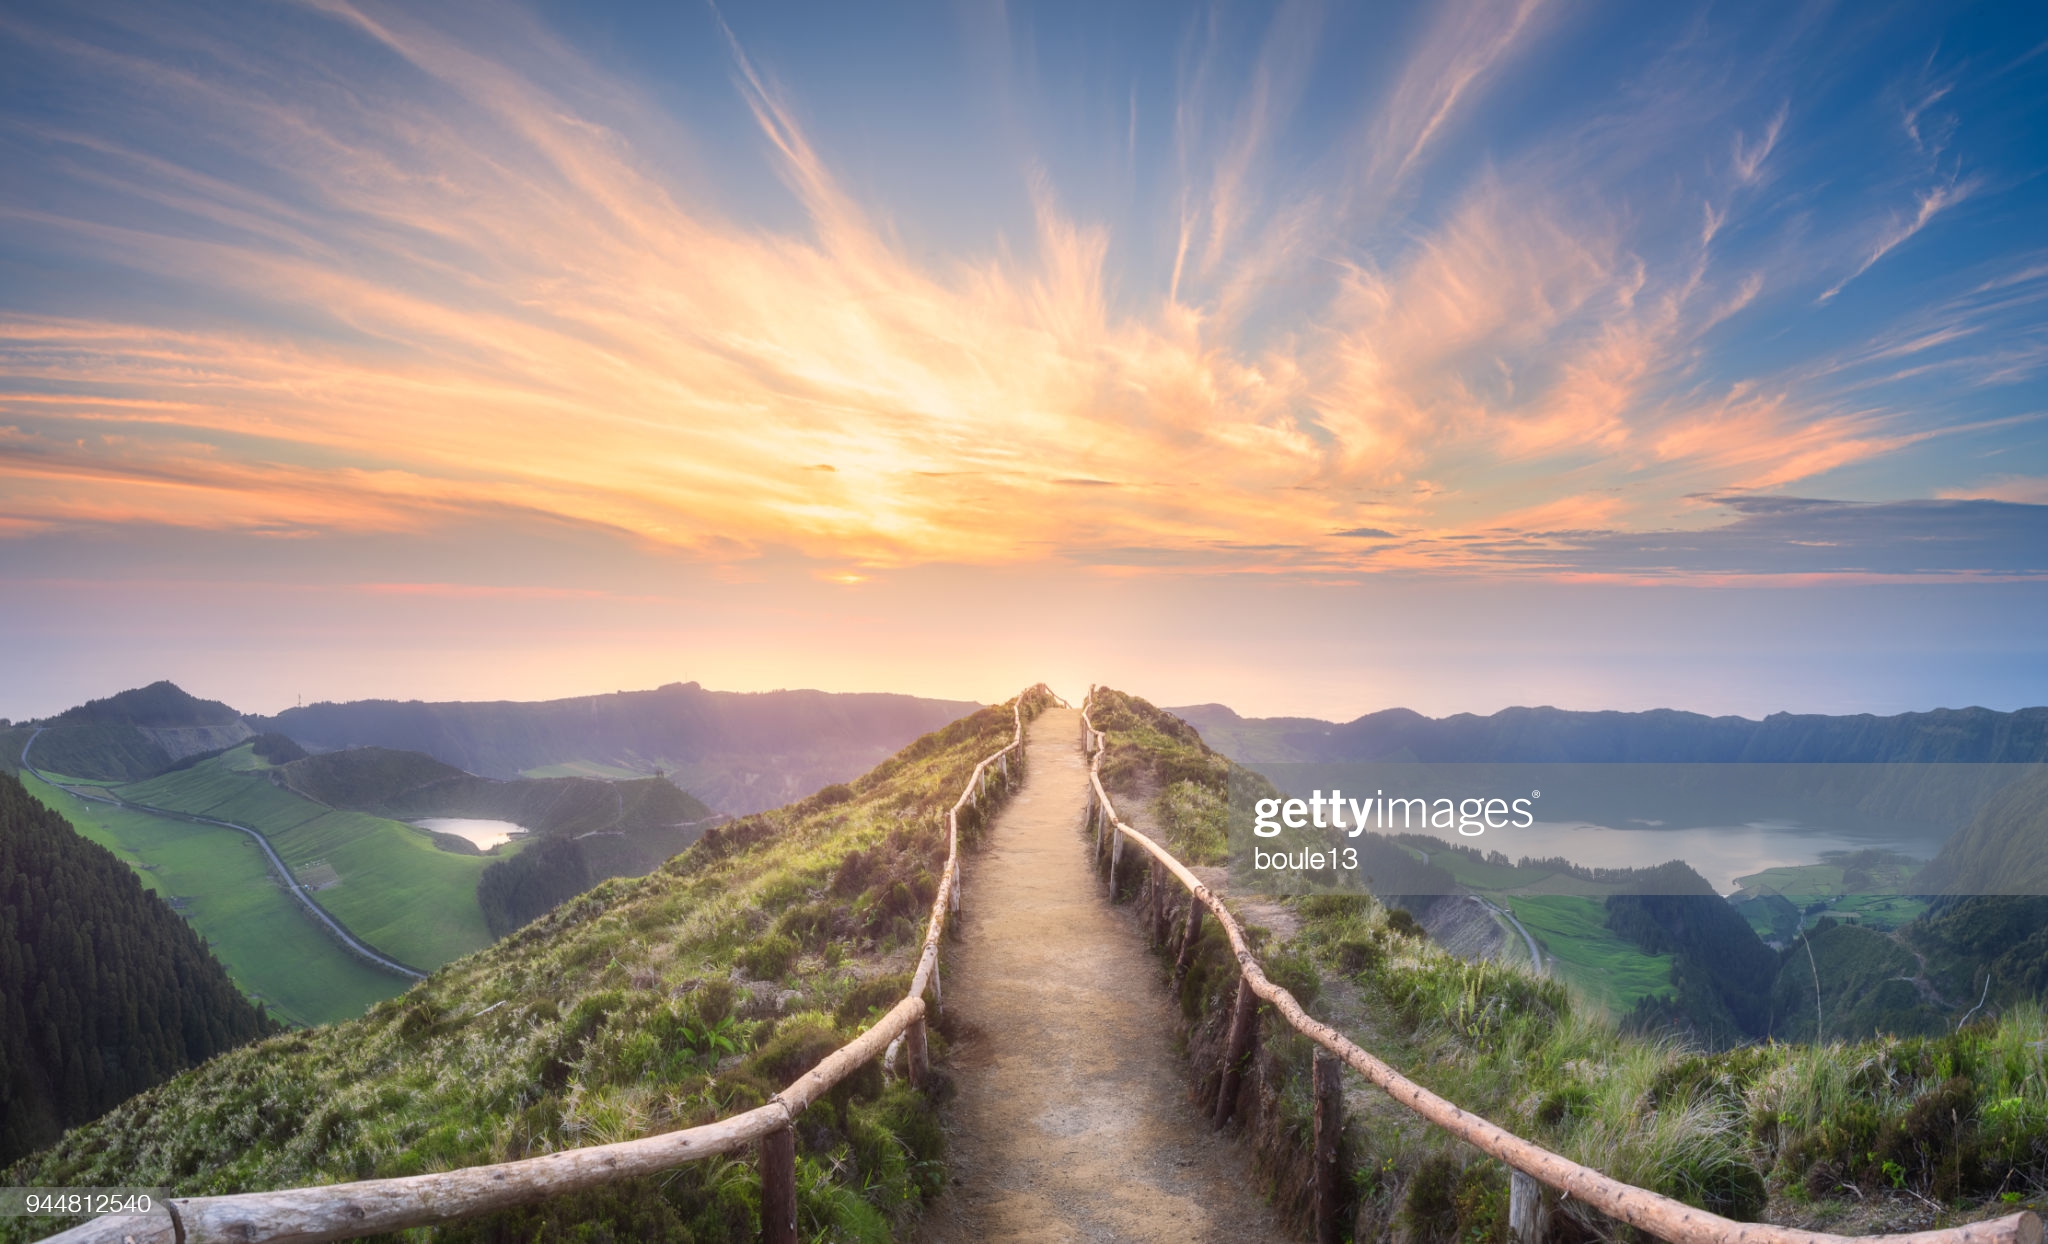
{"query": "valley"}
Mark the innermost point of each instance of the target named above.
(218, 880)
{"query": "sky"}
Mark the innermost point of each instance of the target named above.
(1312, 359)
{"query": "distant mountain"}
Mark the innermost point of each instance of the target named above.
(160, 704)
(1538, 735)
(135, 734)
(739, 752)
(104, 990)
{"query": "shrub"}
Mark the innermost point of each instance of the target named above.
(769, 958)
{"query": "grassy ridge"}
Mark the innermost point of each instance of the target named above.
(642, 1006)
(398, 891)
(220, 882)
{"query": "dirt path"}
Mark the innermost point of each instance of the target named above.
(1072, 1120)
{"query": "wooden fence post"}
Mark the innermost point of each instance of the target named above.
(1241, 1022)
(1329, 1180)
(1162, 910)
(1190, 934)
(1116, 856)
(920, 1054)
(778, 1186)
(1525, 1209)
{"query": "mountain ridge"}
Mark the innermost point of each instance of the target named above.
(740, 752)
(1538, 734)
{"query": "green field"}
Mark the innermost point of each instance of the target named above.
(1588, 955)
(222, 885)
(1874, 896)
(397, 891)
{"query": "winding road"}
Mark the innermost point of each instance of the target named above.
(354, 944)
(1535, 955)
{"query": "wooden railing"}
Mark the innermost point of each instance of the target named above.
(1659, 1215)
(367, 1207)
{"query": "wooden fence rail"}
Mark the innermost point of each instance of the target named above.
(367, 1207)
(1659, 1215)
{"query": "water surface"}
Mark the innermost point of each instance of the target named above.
(484, 834)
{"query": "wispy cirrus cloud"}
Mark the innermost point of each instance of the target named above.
(1902, 226)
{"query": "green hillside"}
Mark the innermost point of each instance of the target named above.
(131, 735)
(160, 705)
(103, 990)
(118, 753)
(386, 881)
(2003, 850)
(1603, 966)
(643, 1006)
(1858, 1136)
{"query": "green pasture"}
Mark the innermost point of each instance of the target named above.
(399, 892)
(1588, 955)
(274, 952)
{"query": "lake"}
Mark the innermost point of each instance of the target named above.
(484, 834)
(1720, 853)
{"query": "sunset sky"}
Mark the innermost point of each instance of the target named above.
(1307, 358)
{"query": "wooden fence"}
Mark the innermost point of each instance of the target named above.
(368, 1207)
(1659, 1215)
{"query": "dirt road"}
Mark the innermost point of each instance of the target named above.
(1072, 1120)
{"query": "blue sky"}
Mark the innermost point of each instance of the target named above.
(497, 350)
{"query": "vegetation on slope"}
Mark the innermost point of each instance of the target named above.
(104, 991)
(160, 704)
(641, 1006)
(219, 881)
(2004, 850)
(1158, 759)
(1860, 1135)
(132, 735)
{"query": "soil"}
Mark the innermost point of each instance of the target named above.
(1072, 1119)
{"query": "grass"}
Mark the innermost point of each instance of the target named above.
(398, 892)
(223, 886)
(623, 1013)
(1872, 894)
(1599, 963)
(65, 780)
